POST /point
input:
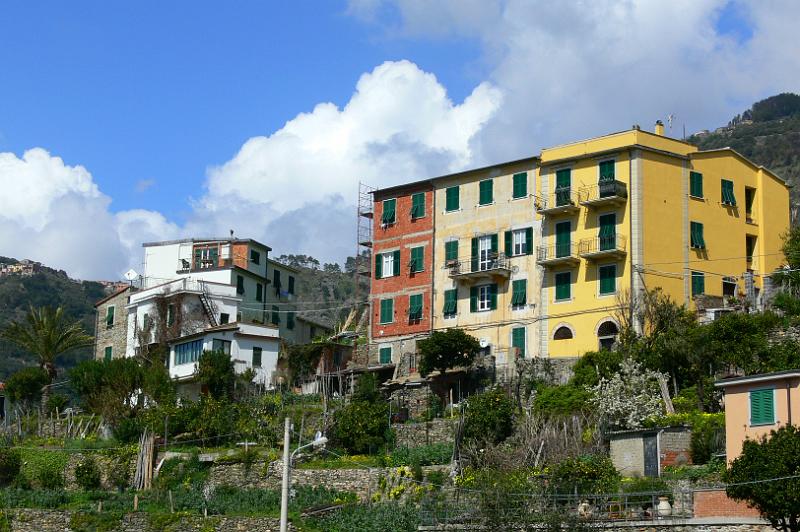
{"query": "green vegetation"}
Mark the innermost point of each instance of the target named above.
(443, 350)
(362, 425)
(386, 517)
(585, 474)
(87, 474)
(489, 416)
(215, 371)
(25, 386)
(10, 464)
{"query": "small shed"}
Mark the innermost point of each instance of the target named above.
(645, 452)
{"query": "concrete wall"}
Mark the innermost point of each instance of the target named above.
(715, 503)
(627, 454)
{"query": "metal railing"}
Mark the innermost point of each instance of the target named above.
(611, 189)
(564, 250)
(494, 261)
(613, 243)
(186, 265)
(563, 198)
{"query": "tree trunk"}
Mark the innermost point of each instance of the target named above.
(50, 369)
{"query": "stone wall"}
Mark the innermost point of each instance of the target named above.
(438, 430)
(115, 336)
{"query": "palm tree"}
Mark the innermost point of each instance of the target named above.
(47, 334)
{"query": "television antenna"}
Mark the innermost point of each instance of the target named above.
(670, 118)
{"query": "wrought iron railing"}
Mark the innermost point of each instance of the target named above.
(610, 189)
(561, 250)
(494, 261)
(601, 244)
(561, 198)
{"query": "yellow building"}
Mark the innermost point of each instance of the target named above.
(636, 210)
(485, 278)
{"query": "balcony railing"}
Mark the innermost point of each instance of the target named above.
(605, 192)
(555, 254)
(604, 246)
(495, 264)
(563, 200)
(186, 265)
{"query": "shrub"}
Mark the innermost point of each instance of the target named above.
(489, 416)
(10, 463)
(708, 433)
(215, 370)
(177, 472)
(87, 474)
(560, 400)
(425, 455)
(44, 468)
(361, 427)
(388, 517)
(57, 403)
(586, 474)
(25, 386)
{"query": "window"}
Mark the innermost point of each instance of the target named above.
(290, 320)
(415, 307)
(146, 322)
(486, 193)
(563, 187)
(484, 253)
(206, 257)
(389, 214)
(108, 353)
(224, 318)
(386, 355)
(696, 184)
(519, 294)
(450, 303)
(518, 341)
(607, 335)
(608, 278)
(729, 287)
(259, 292)
(520, 189)
(563, 333)
(417, 263)
(417, 205)
(563, 243)
(255, 257)
(188, 352)
(276, 316)
(110, 316)
(607, 170)
(608, 231)
(387, 310)
(749, 200)
(483, 297)
(563, 285)
(452, 199)
(728, 197)
(387, 264)
(451, 250)
(170, 315)
(698, 283)
(256, 357)
(696, 230)
(221, 345)
(276, 279)
(239, 284)
(749, 247)
(762, 407)
(519, 242)
(290, 289)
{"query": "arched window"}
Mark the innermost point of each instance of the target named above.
(607, 334)
(562, 333)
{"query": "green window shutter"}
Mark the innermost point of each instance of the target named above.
(387, 310)
(276, 317)
(291, 285)
(762, 407)
(493, 296)
(563, 187)
(698, 283)
(520, 185)
(728, 196)
(697, 239)
(607, 170)
(450, 302)
(110, 316)
(529, 241)
(608, 279)
(417, 259)
(378, 265)
(518, 340)
(198, 256)
(386, 355)
(519, 292)
(486, 195)
(290, 320)
(473, 299)
(418, 205)
(108, 353)
(170, 315)
(259, 292)
(563, 280)
(563, 233)
(396, 269)
(389, 211)
(213, 255)
(239, 284)
(451, 250)
(608, 231)
(474, 243)
(493, 239)
(415, 307)
(696, 184)
(452, 199)
(509, 241)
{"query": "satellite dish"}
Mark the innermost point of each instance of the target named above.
(131, 274)
(484, 343)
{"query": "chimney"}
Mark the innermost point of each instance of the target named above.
(659, 128)
(635, 127)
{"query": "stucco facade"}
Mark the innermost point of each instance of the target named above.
(111, 325)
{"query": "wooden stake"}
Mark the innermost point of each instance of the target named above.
(171, 505)
(136, 502)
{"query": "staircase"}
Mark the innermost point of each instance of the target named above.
(208, 304)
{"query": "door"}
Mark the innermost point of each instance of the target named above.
(608, 231)
(562, 239)
(650, 456)
(485, 252)
(563, 186)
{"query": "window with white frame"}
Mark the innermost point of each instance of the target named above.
(520, 242)
(485, 297)
(388, 264)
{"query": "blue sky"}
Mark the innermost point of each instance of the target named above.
(128, 122)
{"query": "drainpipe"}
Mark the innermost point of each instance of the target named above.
(658, 450)
(789, 401)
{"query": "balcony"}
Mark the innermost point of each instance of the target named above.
(562, 201)
(564, 254)
(187, 266)
(607, 247)
(496, 265)
(604, 193)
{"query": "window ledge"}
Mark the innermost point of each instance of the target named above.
(557, 301)
(486, 204)
(454, 210)
(698, 198)
(763, 424)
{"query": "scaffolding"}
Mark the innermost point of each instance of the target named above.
(363, 264)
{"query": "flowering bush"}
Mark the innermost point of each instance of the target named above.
(628, 398)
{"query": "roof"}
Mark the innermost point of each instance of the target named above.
(113, 295)
(283, 266)
(431, 180)
(225, 327)
(761, 377)
(743, 158)
(212, 239)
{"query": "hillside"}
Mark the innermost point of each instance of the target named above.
(768, 133)
(45, 287)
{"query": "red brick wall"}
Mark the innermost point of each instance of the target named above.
(403, 234)
(716, 503)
